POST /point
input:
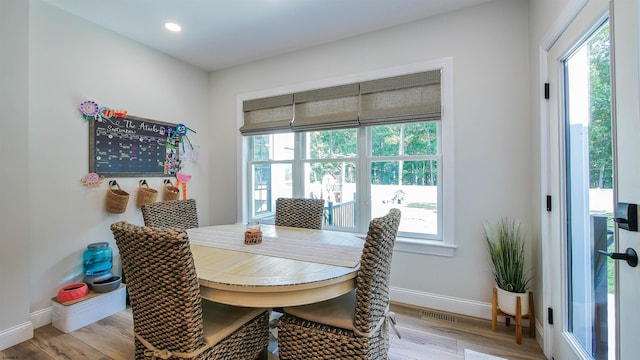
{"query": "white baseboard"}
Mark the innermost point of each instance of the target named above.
(23, 332)
(540, 334)
(42, 317)
(451, 304)
(441, 302)
(16, 335)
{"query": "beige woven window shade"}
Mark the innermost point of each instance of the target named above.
(267, 115)
(398, 99)
(329, 108)
(406, 98)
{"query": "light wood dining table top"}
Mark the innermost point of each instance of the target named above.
(246, 276)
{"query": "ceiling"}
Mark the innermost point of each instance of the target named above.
(221, 33)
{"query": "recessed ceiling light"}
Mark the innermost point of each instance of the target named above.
(171, 26)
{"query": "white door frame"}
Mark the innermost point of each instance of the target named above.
(565, 18)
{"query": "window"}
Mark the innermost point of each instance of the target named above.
(271, 167)
(331, 163)
(403, 165)
(404, 174)
(364, 148)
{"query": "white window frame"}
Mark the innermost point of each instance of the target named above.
(365, 164)
(444, 247)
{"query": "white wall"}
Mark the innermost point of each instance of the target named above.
(14, 194)
(489, 46)
(72, 60)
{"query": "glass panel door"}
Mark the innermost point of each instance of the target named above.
(589, 184)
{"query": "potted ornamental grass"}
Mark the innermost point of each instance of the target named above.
(506, 246)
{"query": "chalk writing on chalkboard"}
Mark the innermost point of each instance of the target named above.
(132, 146)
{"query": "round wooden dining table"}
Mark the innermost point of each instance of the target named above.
(292, 266)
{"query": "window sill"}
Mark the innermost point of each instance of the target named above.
(428, 247)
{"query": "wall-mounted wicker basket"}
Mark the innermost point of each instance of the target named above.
(117, 199)
(170, 192)
(146, 194)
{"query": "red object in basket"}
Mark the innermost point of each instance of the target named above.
(72, 292)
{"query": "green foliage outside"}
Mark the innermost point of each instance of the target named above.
(611, 272)
(387, 141)
(610, 263)
(333, 144)
(600, 137)
(600, 144)
(405, 140)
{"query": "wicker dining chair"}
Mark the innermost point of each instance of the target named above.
(299, 212)
(170, 320)
(352, 326)
(182, 214)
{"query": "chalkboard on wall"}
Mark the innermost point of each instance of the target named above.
(132, 146)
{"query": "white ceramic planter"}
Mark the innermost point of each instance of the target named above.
(507, 302)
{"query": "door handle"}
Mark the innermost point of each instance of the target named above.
(630, 256)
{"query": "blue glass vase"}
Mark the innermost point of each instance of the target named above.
(97, 259)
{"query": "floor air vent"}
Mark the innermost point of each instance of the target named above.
(432, 315)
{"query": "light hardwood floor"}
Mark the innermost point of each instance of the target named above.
(430, 335)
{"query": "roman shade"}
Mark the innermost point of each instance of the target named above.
(267, 115)
(329, 108)
(399, 99)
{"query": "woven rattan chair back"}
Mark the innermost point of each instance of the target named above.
(304, 339)
(372, 286)
(300, 213)
(168, 320)
(163, 287)
(181, 214)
